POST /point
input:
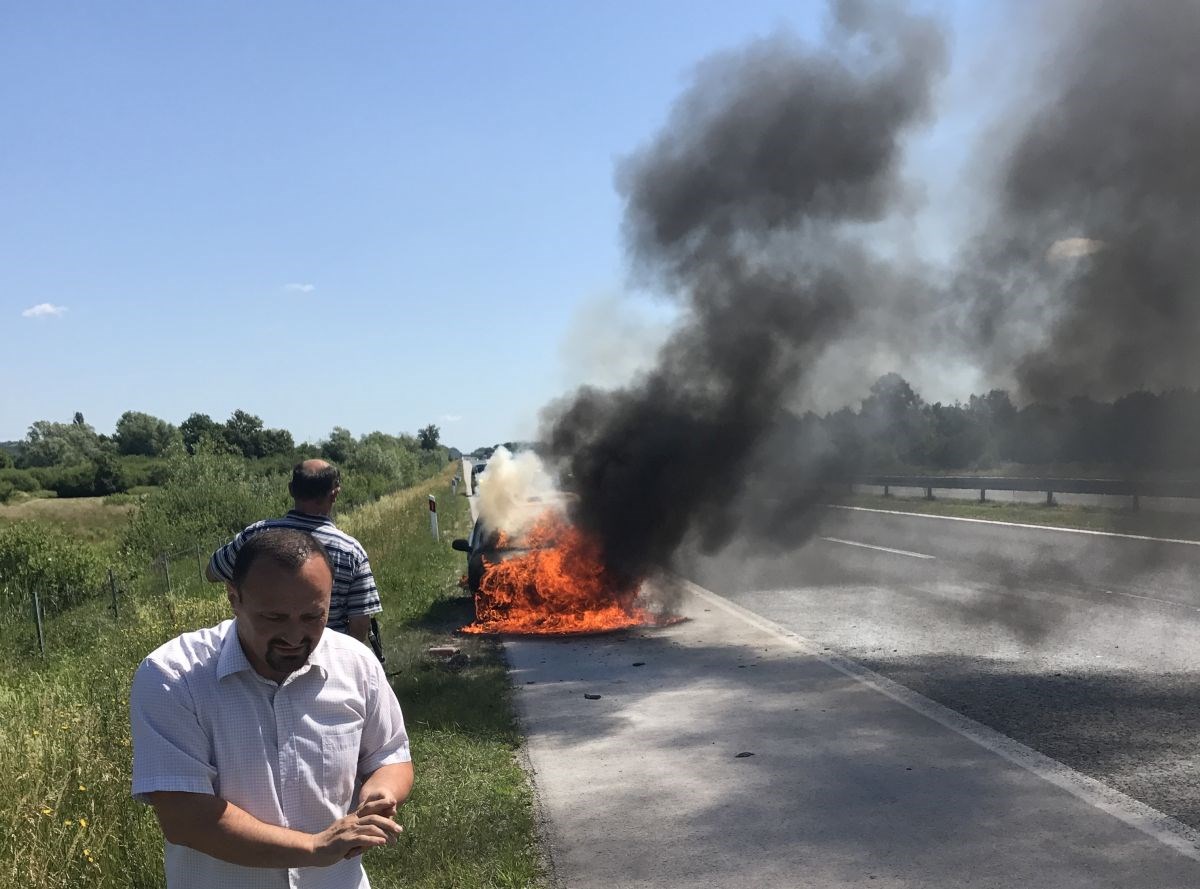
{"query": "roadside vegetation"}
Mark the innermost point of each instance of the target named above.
(64, 741)
(1173, 525)
(95, 520)
(73, 460)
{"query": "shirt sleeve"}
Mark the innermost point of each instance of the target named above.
(171, 750)
(384, 738)
(223, 559)
(363, 596)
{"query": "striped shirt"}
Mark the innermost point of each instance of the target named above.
(354, 591)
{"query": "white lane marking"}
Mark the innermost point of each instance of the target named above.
(956, 518)
(882, 549)
(1153, 823)
(1152, 599)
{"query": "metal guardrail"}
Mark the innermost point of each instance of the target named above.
(1135, 488)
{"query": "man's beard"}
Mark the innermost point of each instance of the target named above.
(287, 663)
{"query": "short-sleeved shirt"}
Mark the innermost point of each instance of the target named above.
(354, 592)
(291, 754)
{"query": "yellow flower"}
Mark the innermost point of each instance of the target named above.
(81, 787)
(68, 821)
(47, 811)
(36, 733)
(83, 822)
(87, 853)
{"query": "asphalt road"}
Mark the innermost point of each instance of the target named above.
(1081, 646)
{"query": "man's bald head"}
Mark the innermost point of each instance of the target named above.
(315, 481)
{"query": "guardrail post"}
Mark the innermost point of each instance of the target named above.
(887, 490)
(1050, 498)
(1137, 504)
(983, 495)
(929, 493)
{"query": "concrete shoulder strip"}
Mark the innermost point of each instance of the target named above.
(1150, 821)
(956, 518)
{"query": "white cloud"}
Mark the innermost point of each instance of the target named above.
(300, 288)
(44, 310)
(450, 418)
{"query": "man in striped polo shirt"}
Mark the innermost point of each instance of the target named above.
(355, 601)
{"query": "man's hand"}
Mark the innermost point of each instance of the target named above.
(379, 802)
(352, 835)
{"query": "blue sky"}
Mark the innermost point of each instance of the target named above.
(371, 215)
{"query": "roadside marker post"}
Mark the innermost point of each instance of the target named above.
(37, 618)
(433, 525)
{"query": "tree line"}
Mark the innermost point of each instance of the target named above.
(895, 429)
(73, 459)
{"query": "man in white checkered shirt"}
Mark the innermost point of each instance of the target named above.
(274, 753)
(314, 488)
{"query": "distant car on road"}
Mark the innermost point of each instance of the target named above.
(476, 471)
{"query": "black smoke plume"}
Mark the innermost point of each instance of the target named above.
(745, 209)
(1087, 280)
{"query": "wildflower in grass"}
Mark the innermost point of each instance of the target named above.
(83, 822)
(47, 811)
(84, 789)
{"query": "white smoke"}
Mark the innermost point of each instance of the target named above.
(515, 490)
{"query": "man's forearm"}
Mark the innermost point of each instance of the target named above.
(359, 626)
(395, 780)
(218, 828)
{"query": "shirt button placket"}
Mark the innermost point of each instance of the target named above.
(287, 764)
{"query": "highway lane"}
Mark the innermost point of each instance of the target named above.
(1085, 647)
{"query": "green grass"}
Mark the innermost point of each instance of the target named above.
(88, 518)
(1093, 518)
(68, 820)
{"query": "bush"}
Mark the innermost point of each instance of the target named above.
(63, 570)
(74, 480)
(19, 480)
(361, 488)
(122, 498)
(206, 497)
(26, 496)
(139, 471)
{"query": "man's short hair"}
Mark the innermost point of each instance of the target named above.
(286, 547)
(314, 484)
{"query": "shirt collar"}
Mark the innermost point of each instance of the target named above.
(233, 660)
(295, 513)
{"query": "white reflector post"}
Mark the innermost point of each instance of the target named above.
(433, 528)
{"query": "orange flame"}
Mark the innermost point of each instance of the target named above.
(559, 586)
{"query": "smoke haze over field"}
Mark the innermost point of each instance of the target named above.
(759, 207)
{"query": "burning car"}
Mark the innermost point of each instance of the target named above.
(492, 544)
(545, 576)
